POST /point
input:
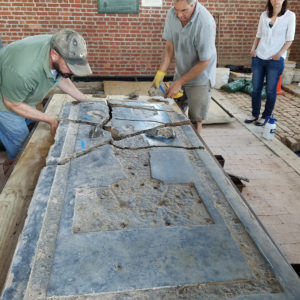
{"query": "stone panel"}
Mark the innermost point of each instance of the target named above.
(130, 215)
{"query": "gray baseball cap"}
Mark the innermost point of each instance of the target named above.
(72, 47)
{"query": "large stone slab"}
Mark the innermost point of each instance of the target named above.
(148, 258)
(122, 213)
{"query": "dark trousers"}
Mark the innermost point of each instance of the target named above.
(271, 70)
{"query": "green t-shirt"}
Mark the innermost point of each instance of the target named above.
(25, 74)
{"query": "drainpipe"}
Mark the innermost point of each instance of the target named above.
(217, 16)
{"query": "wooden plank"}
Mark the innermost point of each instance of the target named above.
(16, 195)
(126, 87)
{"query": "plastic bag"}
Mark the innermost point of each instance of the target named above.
(234, 86)
(248, 89)
(243, 85)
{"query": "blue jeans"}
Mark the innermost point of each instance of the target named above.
(13, 132)
(271, 69)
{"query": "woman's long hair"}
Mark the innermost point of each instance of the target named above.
(269, 8)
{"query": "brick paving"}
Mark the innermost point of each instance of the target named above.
(274, 187)
(287, 113)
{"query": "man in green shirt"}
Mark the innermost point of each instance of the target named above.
(29, 69)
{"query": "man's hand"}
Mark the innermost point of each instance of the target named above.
(26, 111)
(53, 125)
(174, 89)
(252, 53)
(76, 102)
(159, 77)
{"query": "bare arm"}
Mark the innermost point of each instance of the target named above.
(26, 111)
(67, 86)
(286, 46)
(191, 74)
(254, 46)
(168, 55)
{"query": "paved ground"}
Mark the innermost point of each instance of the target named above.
(274, 187)
(287, 113)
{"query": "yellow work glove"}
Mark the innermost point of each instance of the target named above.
(159, 77)
(178, 95)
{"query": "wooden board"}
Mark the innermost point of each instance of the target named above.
(17, 193)
(126, 87)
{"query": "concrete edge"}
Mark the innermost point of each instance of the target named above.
(292, 89)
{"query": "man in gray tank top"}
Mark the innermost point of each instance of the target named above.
(190, 32)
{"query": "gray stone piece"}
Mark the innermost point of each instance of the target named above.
(80, 131)
(122, 211)
(145, 105)
(171, 166)
(134, 118)
(91, 112)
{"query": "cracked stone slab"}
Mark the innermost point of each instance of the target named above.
(145, 105)
(129, 114)
(74, 133)
(154, 113)
(133, 118)
(140, 218)
(180, 140)
(185, 137)
(92, 112)
(127, 121)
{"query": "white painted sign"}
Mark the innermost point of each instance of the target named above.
(153, 3)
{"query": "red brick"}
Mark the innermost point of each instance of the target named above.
(126, 41)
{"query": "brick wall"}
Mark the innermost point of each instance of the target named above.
(129, 44)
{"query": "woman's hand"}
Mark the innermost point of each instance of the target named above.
(252, 53)
(254, 46)
(276, 56)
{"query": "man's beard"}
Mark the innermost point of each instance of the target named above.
(58, 70)
(56, 67)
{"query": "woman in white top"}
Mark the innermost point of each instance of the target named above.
(275, 34)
